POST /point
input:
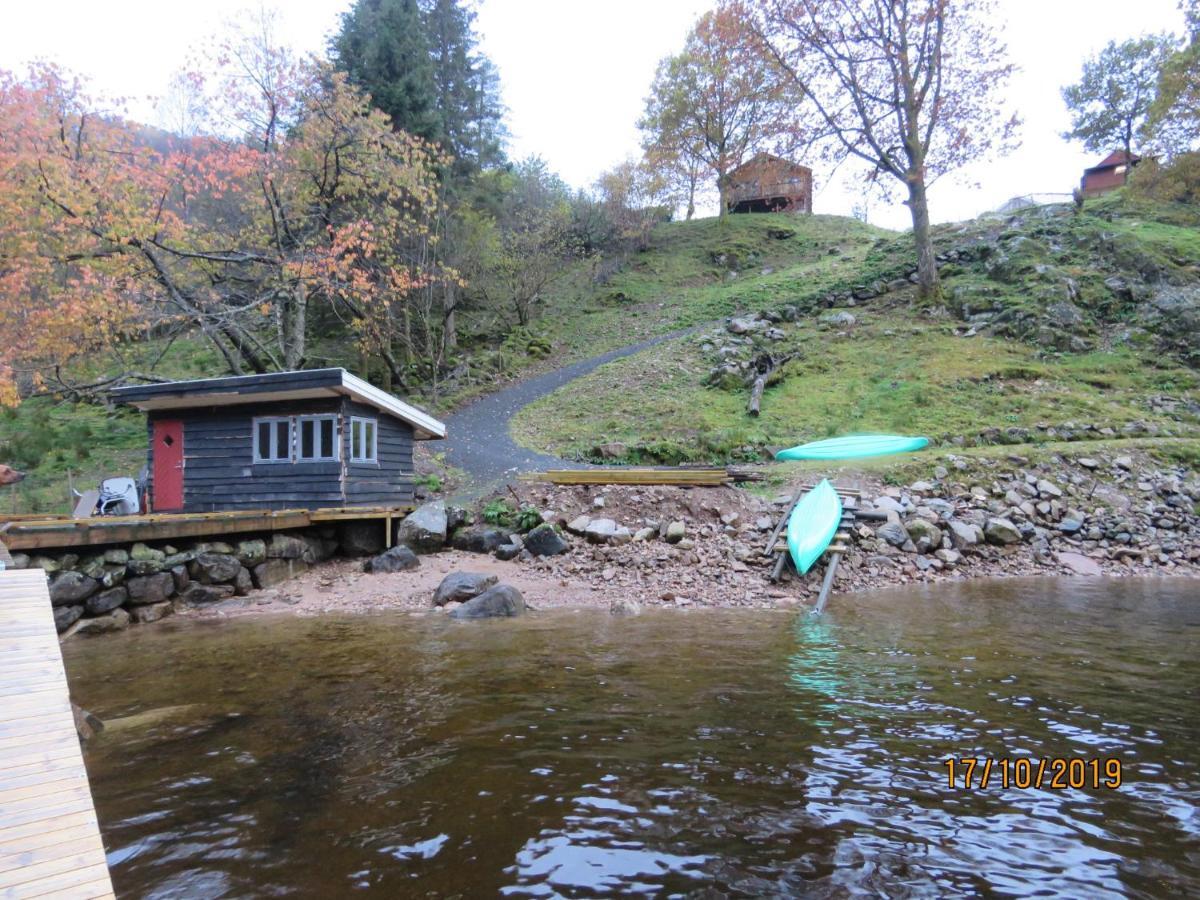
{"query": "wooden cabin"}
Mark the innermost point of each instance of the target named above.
(285, 440)
(1109, 174)
(769, 183)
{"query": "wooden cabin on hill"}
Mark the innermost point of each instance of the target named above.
(769, 183)
(285, 440)
(1109, 174)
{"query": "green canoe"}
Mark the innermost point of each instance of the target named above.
(855, 446)
(812, 525)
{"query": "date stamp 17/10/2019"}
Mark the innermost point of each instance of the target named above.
(1059, 773)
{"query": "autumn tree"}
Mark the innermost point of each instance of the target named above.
(532, 242)
(715, 103)
(631, 195)
(1111, 101)
(299, 198)
(1173, 122)
(912, 90)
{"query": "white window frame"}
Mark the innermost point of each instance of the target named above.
(361, 422)
(273, 421)
(325, 454)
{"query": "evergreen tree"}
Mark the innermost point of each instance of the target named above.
(382, 46)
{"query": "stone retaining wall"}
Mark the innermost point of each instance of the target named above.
(100, 589)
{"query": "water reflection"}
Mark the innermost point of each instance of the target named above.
(720, 754)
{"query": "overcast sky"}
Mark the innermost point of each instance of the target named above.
(575, 73)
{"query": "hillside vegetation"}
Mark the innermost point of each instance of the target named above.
(1054, 325)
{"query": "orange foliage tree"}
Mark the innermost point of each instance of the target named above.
(297, 193)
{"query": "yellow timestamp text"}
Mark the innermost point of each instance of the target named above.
(1052, 773)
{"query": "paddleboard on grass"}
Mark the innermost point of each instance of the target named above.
(855, 446)
(812, 525)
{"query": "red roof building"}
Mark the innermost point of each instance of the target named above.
(1109, 174)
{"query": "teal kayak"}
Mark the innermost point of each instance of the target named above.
(855, 446)
(812, 525)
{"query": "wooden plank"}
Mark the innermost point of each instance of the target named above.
(49, 839)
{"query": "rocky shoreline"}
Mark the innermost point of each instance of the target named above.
(1110, 513)
(625, 547)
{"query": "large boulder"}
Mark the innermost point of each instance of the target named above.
(600, 531)
(1001, 531)
(250, 553)
(1079, 564)
(545, 541)
(397, 559)
(676, 532)
(109, 622)
(214, 568)
(151, 613)
(480, 538)
(150, 588)
(361, 538)
(424, 529)
(284, 546)
(69, 588)
(458, 587)
(925, 535)
(243, 583)
(144, 560)
(500, 601)
(894, 533)
(964, 534)
(276, 571)
(66, 616)
(196, 594)
(106, 601)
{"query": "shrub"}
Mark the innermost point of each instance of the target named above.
(498, 512)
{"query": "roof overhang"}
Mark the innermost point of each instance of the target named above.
(312, 384)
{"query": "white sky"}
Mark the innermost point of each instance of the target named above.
(575, 72)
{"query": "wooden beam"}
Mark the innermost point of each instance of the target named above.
(50, 533)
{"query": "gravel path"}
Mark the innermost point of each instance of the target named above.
(478, 439)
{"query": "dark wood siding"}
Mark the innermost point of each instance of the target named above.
(219, 471)
(390, 482)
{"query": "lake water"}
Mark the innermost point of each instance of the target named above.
(707, 753)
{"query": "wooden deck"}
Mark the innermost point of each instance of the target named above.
(49, 838)
(44, 532)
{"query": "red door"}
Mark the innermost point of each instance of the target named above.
(168, 465)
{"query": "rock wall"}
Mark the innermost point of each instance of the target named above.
(102, 589)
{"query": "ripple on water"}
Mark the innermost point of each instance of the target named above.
(574, 754)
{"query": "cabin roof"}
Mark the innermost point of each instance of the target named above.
(767, 157)
(301, 385)
(1114, 159)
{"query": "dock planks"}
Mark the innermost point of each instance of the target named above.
(49, 837)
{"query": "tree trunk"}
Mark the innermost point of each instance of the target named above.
(928, 285)
(756, 392)
(450, 326)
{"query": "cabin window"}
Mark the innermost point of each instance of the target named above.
(364, 440)
(272, 440)
(317, 439)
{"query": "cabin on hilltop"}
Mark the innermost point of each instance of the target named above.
(1109, 174)
(285, 440)
(769, 183)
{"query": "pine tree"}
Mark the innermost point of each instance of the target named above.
(382, 45)
(467, 87)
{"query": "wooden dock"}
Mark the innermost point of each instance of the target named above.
(41, 532)
(49, 838)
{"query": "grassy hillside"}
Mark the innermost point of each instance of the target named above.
(1052, 322)
(1050, 319)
